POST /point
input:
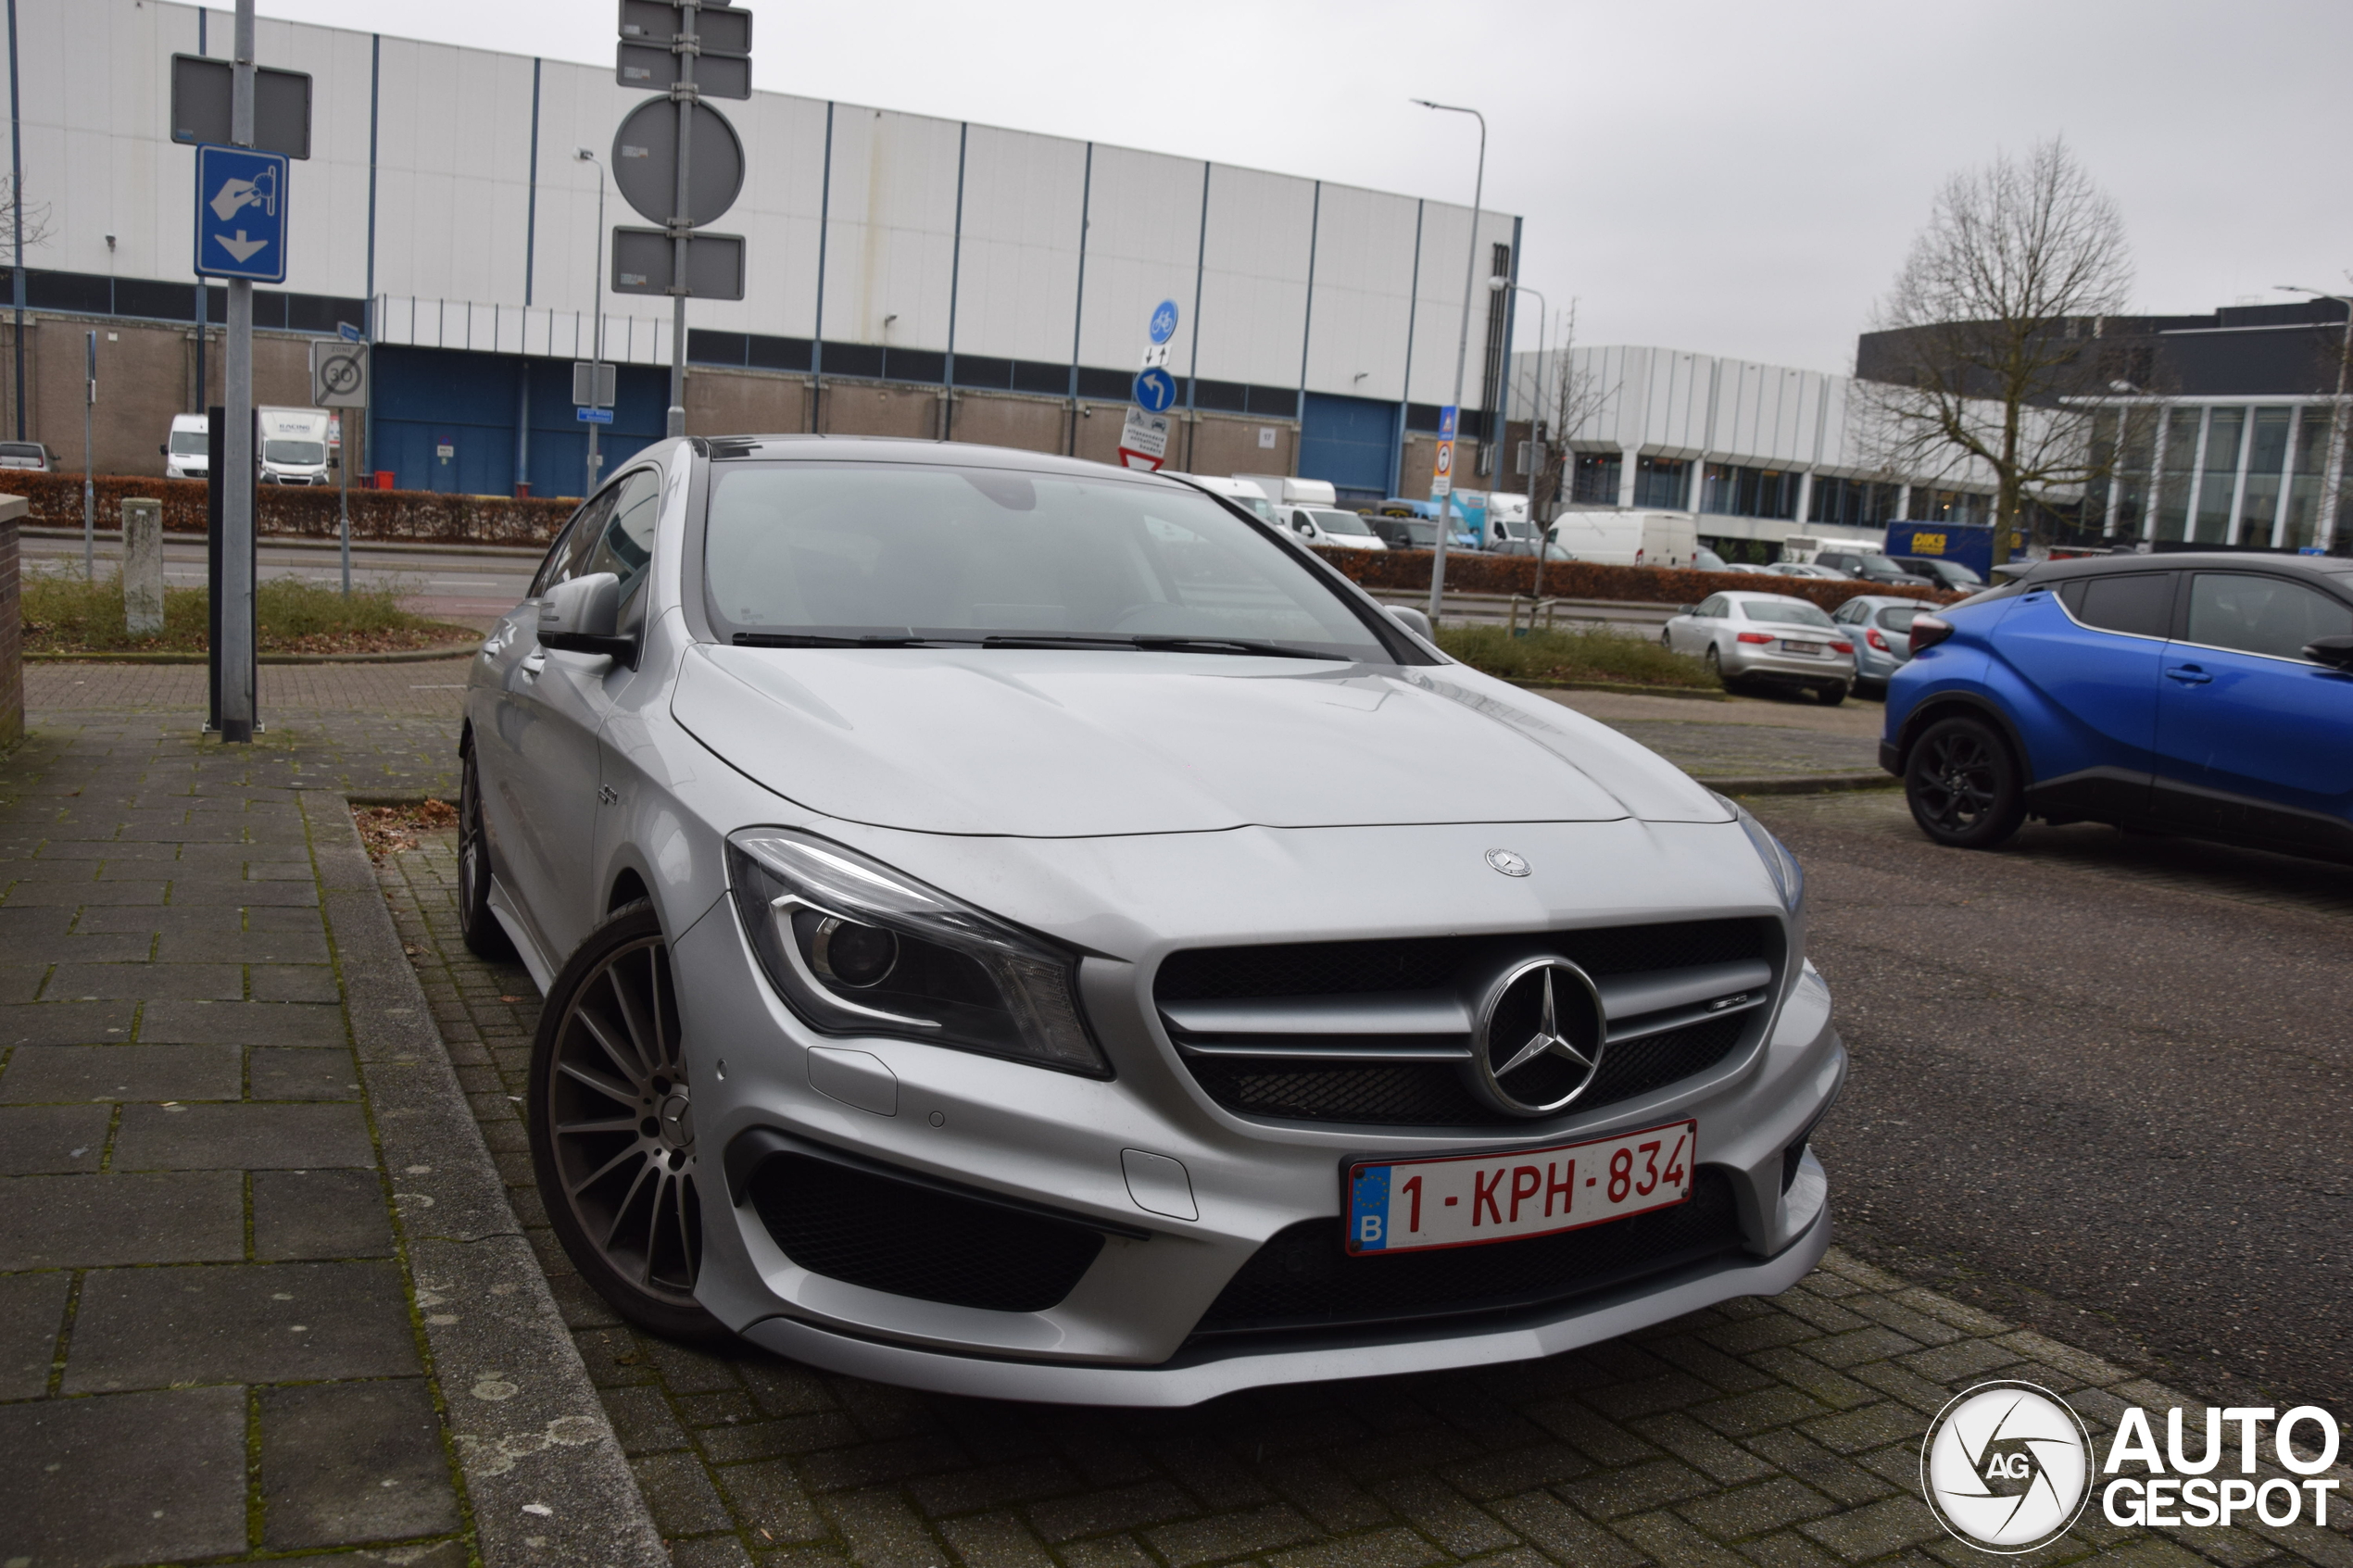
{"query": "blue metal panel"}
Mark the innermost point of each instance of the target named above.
(1349, 441)
(432, 398)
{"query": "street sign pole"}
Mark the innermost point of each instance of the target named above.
(89, 474)
(234, 654)
(343, 500)
(680, 221)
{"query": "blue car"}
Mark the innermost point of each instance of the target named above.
(2210, 695)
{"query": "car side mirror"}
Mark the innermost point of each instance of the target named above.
(583, 616)
(2334, 652)
(1414, 620)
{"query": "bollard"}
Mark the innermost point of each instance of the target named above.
(142, 568)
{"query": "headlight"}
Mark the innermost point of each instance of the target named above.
(857, 948)
(1788, 876)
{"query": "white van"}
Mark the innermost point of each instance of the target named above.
(1239, 491)
(1613, 538)
(1335, 526)
(188, 454)
(1799, 549)
(294, 446)
(1286, 491)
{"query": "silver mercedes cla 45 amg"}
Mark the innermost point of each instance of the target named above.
(1021, 928)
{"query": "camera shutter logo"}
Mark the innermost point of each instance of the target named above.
(2007, 1467)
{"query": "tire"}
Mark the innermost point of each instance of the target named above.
(608, 1066)
(1715, 663)
(1666, 641)
(1830, 695)
(484, 937)
(1963, 786)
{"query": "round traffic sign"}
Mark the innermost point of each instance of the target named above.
(1156, 389)
(1163, 325)
(645, 163)
(340, 374)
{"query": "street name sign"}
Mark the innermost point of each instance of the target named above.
(241, 214)
(593, 416)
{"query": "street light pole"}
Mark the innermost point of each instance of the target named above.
(1462, 353)
(2324, 531)
(236, 447)
(597, 336)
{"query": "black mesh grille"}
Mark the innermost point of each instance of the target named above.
(1422, 963)
(1304, 1279)
(915, 1240)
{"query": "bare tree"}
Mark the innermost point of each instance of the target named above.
(1563, 398)
(36, 220)
(1994, 321)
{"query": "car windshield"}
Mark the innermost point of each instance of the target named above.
(21, 449)
(189, 443)
(1953, 571)
(1899, 618)
(298, 452)
(1338, 522)
(1788, 612)
(824, 552)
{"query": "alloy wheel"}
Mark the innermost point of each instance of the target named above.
(620, 1126)
(1959, 780)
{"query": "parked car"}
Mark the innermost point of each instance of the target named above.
(941, 839)
(1808, 569)
(1881, 627)
(1706, 559)
(1333, 526)
(187, 452)
(1950, 575)
(28, 454)
(1869, 567)
(2207, 695)
(1747, 569)
(1755, 639)
(1405, 532)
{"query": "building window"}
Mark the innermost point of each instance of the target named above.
(2182, 430)
(1963, 508)
(1733, 491)
(2220, 483)
(1596, 481)
(1662, 483)
(2304, 484)
(2266, 462)
(1853, 503)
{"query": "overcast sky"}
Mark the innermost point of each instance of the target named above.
(1733, 179)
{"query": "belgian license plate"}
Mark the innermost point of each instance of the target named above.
(1418, 1205)
(1800, 647)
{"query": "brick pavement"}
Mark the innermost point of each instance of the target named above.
(1773, 1432)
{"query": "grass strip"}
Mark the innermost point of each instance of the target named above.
(1593, 654)
(64, 613)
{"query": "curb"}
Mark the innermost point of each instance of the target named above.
(530, 1430)
(1801, 783)
(1626, 688)
(402, 656)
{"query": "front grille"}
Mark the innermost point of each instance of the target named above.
(1355, 1074)
(1304, 1277)
(912, 1240)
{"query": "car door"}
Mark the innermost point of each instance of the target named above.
(551, 706)
(1694, 632)
(2252, 736)
(2087, 652)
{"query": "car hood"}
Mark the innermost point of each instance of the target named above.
(1070, 745)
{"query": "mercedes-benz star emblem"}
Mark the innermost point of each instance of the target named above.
(1538, 1038)
(1507, 862)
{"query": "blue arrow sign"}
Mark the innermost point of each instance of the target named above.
(241, 214)
(594, 416)
(1156, 391)
(1164, 321)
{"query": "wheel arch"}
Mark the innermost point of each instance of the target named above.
(1962, 705)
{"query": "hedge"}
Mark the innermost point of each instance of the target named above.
(1474, 573)
(424, 516)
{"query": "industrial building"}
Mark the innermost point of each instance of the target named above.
(907, 275)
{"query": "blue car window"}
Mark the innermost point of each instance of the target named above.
(2265, 615)
(2139, 603)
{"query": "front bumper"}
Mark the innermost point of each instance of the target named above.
(1052, 1141)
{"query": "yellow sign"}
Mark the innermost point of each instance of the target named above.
(1928, 543)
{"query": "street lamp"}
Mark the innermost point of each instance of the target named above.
(1462, 352)
(2325, 531)
(597, 339)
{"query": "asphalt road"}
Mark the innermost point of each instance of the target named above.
(2099, 1084)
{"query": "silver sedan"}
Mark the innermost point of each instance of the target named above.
(1767, 639)
(942, 840)
(1880, 625)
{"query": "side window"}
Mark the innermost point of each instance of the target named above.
(1712, 608)
(623, 541)
(2266, 615)
(2137, 602)
(563, 557)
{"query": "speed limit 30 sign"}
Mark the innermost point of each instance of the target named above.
(338, 374)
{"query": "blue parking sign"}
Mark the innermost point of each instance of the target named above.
(241, 214)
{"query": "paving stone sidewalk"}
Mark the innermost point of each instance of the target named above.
(214, 1341)
(1781, 1431)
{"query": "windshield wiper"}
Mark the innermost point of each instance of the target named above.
(814, 640)
(1157, 644)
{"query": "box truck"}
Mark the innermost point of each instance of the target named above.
(294, 446)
